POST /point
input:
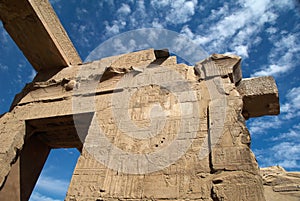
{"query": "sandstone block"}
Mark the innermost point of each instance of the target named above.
(37, 31)
(280, 184)
(260, 96)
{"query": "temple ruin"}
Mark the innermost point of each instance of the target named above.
(147, 127)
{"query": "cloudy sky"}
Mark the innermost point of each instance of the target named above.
(265, 33)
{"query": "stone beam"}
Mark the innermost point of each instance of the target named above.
(260, 96)
(37, 31)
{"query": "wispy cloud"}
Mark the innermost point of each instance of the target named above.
(3, 67)
(52, 186)
(32, 75)
(285, 146)
(293, 135)
(285, 150)
(124, 9)
(4, 37)
(234, 28)
(285, 154)
(38, 197)
(291, 108)
(181, 11)
(263, 124)
(54, 1)
(283, 55)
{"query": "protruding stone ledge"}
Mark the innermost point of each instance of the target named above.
(260, 96)
(229, 65)
(37, 31)
(220, 65)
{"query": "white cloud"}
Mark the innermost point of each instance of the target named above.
(241, 50)
(271, 30)
(181, 11)
(140, 16)
(284, 4)
(245, 22)
(4, 37)
(160, 3)
(121, 48)
(291, 108)
(294, 97)
(124, 9)
(285, 154)
(177, 11)
(262, 124)
(38, 197)
(54, 1)
(52, 186)
(286, 151)
(115, 27)
(283, 56)
(32, 75)
(81, 13)
(235, 27)
(3, 67)
(186, 31)
(273, 70)
(292, 136)
(157, 24)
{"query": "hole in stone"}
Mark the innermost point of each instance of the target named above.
(217, 181)
(56, 174)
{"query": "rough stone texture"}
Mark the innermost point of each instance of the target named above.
(229, 172)
(260, 96)
(12, 133)
(226, 65)
(37, 31)
(205, 106)
(201, 106)
(280, 185)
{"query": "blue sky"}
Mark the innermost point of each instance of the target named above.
(265, 33)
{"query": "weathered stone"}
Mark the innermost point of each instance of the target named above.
(225, 65)
(149, 109)
(60, 111)
(280, 185)
(237, 186)
(12, 134)
(260, 96)
(37, 31)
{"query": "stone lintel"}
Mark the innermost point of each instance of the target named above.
(260, 96)
(37, 31)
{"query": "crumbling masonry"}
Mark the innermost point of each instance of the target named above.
(207, 112)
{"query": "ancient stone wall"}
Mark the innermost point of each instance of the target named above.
(203, 129)
(280, 184)
(148, 129)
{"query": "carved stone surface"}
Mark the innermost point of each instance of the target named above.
(195, 113)
(280, 185)
(168, 131)
(37, 31)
